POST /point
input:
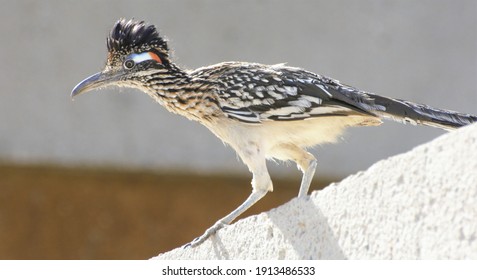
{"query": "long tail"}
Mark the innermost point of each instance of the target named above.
(409, 112)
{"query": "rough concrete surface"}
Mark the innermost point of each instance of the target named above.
(418, 205)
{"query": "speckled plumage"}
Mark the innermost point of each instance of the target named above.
(261, 111)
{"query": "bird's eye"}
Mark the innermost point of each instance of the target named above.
(129, 64)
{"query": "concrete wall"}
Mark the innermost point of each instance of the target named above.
(424, 51)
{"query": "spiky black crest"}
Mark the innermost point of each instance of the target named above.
(134, 36)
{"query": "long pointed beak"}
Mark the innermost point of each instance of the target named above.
(92, 82)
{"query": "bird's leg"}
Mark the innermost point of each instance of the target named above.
(251, 200)
(261, 184)
(305, 161)
(307, 166)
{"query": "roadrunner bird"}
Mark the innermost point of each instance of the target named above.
(261, 111)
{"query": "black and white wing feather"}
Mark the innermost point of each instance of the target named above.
(255, 93)
(279, 93)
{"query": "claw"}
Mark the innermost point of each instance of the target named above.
(187, 245)
(209, 232)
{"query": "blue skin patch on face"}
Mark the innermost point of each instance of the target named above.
(140, 57)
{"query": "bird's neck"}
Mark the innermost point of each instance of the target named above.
(184, 94)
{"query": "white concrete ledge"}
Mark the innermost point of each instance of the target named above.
(418, 205)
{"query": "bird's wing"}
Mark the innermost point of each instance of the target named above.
(281, 93)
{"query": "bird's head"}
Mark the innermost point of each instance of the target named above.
(135, 51)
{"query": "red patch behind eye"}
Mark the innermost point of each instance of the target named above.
(155, 57)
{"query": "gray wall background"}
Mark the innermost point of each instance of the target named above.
(424, 51)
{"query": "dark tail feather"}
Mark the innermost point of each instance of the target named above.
(409, 112)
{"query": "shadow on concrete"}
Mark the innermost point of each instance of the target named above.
(304, 226)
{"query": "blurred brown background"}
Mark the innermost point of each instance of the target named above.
(49, 212)
(117, 176)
